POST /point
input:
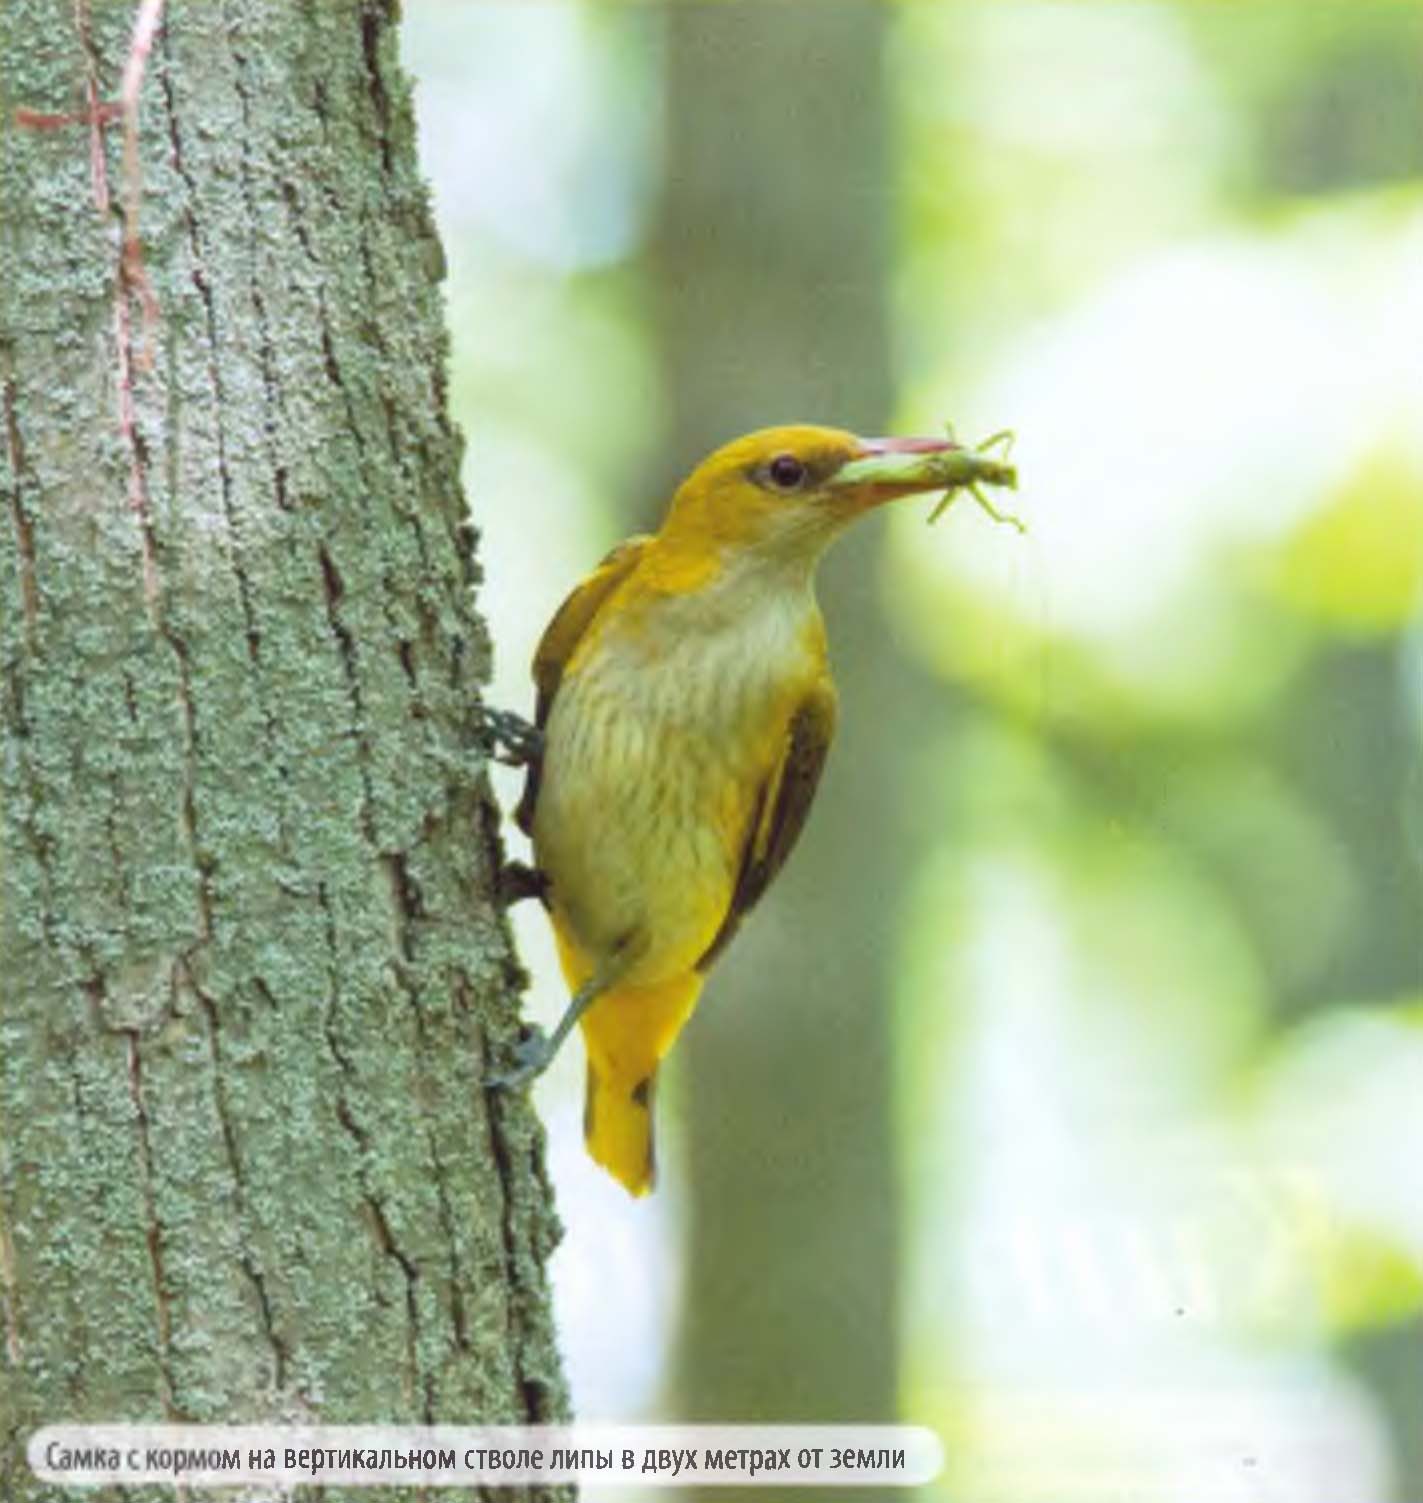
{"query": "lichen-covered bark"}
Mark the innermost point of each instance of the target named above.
(250, 965)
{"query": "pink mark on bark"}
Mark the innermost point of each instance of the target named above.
(133, 283)
(132, 269)
(96, 115)
(109, 111)
(132, 279)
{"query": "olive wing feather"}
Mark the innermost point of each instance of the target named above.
(780, 810)
(558, 644)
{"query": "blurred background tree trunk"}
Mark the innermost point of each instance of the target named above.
(251, 967)
(771, 270)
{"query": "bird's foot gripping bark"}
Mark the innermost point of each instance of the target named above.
(518, 880)
(532, 1055)
(506, 736)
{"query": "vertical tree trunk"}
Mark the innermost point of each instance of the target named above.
(250, 965)
(772, 267)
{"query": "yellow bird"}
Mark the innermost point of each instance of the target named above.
(686, 707)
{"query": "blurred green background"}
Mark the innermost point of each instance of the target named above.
(1067, 1094)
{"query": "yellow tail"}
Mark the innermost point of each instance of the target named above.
(617, 1127)
(626, 1032)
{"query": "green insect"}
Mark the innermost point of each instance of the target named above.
(971, 469)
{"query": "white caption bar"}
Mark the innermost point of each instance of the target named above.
(455, 1456)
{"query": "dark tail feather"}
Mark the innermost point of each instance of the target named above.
(617, 1127)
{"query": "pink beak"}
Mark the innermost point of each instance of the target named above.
(870, 446)
(885, 468)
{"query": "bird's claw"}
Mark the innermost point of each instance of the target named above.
(507, 736)
(531, 1056)
(518, 881)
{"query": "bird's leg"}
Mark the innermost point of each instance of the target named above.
(518, 880)
(534, 1053)
(507, 736)
(512, 740)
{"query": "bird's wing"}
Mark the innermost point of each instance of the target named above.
(780, 810)
(558, 644)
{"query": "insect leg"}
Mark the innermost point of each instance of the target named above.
(998, 516)
(1004, 439)
(942, 505)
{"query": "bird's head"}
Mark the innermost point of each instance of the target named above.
(784, 493)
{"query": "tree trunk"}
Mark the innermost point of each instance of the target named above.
(772, 267)
(251, 967)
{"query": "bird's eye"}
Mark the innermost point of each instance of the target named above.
(786, 472)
